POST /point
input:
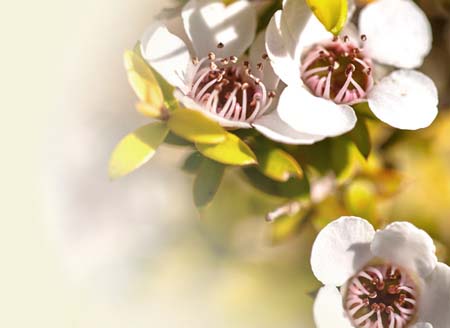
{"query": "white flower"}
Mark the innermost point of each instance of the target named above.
(388, 278)
(326, 75)
(199, 52)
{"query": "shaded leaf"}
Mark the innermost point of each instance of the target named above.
(174, 140)
(276, 164)
(293, 188)
(144, 84)
(232, 151)
(192, 162)
(360, 199)
(196, 127)
(331, 13)
(207, 182)
(136, 149)
(361, 138)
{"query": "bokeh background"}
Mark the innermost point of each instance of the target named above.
(80, 251)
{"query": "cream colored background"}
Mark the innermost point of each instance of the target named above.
(79, 251)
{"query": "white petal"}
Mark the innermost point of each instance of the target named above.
(313, 115)
(434, 305)
(422, 325)
(398, 32)
(274, 128)
(279, 46)
(405, 99)
(328, 309)
(167, 54)
(267, 75)
(208, 23)
(303, 26)
(189, 103)
(341, 249)
(407, 246)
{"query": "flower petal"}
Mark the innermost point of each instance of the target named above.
(303, 26)
(328, 310)
(209, 23)
(280, 50)
(341, 249)
(188, 102)
(274, 128)
(435, 299)
(166, 53)
(313, 115)
(267, 75)
(422, 325)
(407, 246)
(398, 32)
(405, 99)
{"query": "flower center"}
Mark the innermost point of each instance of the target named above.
(338, 70)
(381, 296)
(227, 88)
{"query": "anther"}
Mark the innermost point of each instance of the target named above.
(335, 38)
(212, 66)
(246, 64)
(195, 60)
(363, 37)
(220, 45)
(212, 56)
(265, 56)
(245, 86)
(346, 38)
(260, 66)
(272, 94)
(350, 69)
(225, 61)
(233, 59)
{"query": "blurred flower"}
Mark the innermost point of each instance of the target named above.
(198, 54)
(387, 278)
(326, 75)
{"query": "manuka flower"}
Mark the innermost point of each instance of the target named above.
(200, 54)
(325, 75)
(388, 278)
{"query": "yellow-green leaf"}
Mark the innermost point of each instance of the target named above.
(207, 182)
(232, 151)
(144, 83)
(136, 149)
(331, 13)
(196, 127)
(277, 164)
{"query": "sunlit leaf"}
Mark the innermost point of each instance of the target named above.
(277, 164)
(292, 189)
(144, 83)
(136, 149)
(196, 127)
(331, 13)
(207, 182)
(232, 151)
(289, 226)
(361, 138)
(166, 88)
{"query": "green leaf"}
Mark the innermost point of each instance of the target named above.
(207, 182)
(174, 140)
(232, 151)
(136, 149)
(277, 164)
(293, 188)
(192, 162)
(144, 83)
(331, 13)
(361, 138)
(166, 88)
(196, 127)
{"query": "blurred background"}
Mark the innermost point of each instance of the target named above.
(80, 251)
